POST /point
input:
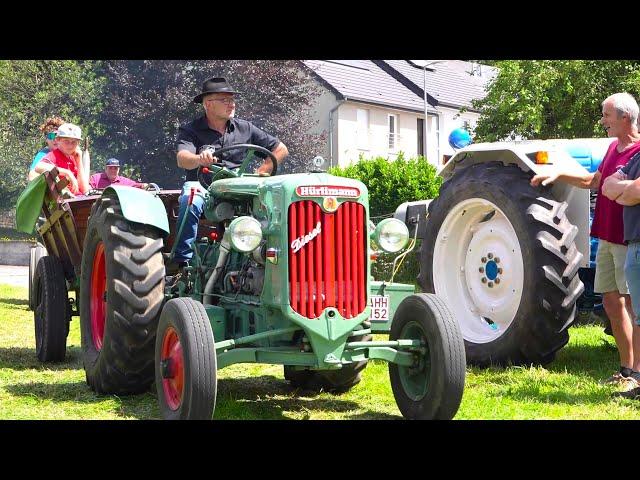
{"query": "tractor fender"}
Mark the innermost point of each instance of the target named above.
(141, 206)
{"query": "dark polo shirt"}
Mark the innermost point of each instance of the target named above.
(631, 215)
(196, 134)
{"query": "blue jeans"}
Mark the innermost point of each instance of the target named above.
(632, 272)
(183, 251)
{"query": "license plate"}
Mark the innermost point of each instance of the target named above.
(379, 308)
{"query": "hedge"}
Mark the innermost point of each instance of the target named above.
(390, 184)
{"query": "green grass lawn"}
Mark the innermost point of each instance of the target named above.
(566, 389)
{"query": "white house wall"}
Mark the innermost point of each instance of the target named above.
(320, 114)
(345, 130)
(348, 150)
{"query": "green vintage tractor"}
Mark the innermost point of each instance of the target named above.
(280, 275)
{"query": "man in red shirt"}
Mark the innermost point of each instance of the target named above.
(100, 181)
(67, 157)
(619, 119)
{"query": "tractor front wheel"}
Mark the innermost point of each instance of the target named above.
(185, 360)
(431, 388)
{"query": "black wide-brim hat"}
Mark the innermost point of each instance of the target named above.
(214, 85)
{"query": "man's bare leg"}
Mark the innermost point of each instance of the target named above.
(618, 306)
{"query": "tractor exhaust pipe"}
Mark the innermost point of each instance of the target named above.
(225, 248)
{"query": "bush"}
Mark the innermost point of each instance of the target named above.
(390, 184)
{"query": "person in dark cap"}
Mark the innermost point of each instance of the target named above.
(102, 180)
(217, 128)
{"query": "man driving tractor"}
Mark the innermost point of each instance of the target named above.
(197, 140)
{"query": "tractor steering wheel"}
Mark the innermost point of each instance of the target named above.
(225, 172)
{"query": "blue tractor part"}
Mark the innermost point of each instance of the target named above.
(459, 138)
(590, 301)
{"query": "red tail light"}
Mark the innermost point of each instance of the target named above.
(327, 259)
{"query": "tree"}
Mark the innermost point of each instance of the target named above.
(146, 101)
(30, 91)
(552, 98)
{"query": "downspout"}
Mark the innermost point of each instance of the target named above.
(331, 130)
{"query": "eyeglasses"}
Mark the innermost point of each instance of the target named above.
(51, 136)
(228, 101)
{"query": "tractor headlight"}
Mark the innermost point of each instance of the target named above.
(391, 235)
(245, 233)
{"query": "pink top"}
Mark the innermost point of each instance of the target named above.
(59, 159)
(101, 181)
(607, 217)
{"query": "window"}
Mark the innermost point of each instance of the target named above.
(393, 131)
(420, 130)
(362, 128)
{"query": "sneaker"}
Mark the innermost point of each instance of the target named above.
(629, 383)
(633, 394)
(615, 379)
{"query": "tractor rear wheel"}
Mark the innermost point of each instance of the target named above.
(332, 381)
(36, 252)
(502, 254)
(121, 293)
(51, 310)
(185, 360)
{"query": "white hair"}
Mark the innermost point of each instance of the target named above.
(624, 103)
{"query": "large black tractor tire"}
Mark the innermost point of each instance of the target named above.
(332, 381)
(186, 365)
(432, 389)
(36, 252)
(50, 312)
(540, 285)
(121, 294)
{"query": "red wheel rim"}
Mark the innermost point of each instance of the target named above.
(98, 296)
(173, 376)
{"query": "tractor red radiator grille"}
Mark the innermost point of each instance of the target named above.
(327, 259)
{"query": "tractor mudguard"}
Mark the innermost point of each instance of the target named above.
(29, 205)
(141, 206)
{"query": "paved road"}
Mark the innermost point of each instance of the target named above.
(14, 275)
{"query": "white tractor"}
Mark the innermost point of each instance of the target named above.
(509, 258)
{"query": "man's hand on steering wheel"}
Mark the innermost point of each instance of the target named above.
(207, 158)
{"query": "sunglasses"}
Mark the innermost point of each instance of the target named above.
(51, 136)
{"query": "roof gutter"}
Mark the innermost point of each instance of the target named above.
(331, 129)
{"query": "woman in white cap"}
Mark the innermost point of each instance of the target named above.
(66, 156)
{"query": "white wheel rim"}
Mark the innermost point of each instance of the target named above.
(468, 241)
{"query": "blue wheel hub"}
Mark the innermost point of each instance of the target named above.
(492, 270)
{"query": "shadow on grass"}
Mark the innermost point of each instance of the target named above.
(19, 358)
(14, 301)
(142, 406)
(534, 393)
(268, 398)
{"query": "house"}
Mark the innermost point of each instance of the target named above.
(377, 107)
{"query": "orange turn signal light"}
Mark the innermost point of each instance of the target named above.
(542, 158)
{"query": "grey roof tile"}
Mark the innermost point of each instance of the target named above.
(363, 80)
(448, 82)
